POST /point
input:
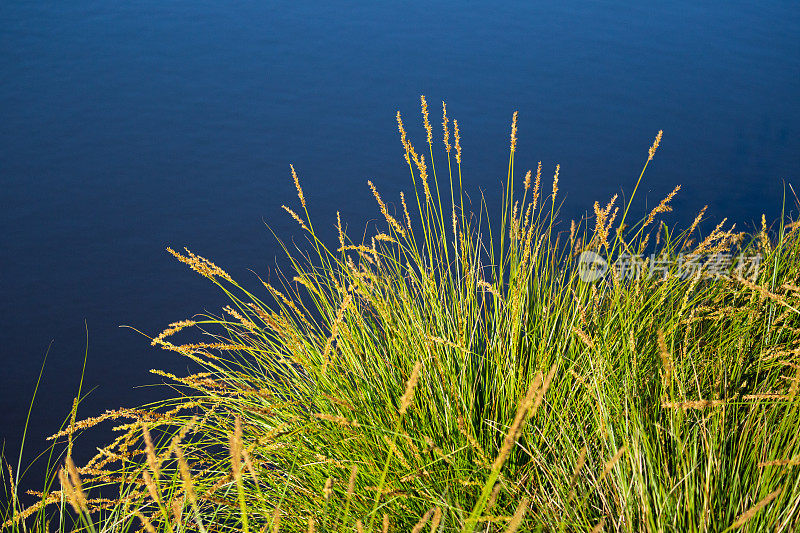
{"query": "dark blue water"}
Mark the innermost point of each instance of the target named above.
(129, 126)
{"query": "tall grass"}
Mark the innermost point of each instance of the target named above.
(453, 372)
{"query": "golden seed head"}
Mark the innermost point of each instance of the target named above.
(401, 129)
(151, 486)
(426, 121)
(662, 207)
(385, 525)
(385, 238)
(348, 297)
(177, 511)
(697, 220)
(146, 524)
(437, 519)
(408, 395)
(653, 148)
(339, 227)
(578, 467)
(750, 513)
(458, 141)
(422, 522)
(511, 437)
(68, 490)
(519, 514)
(528, 180)
(150, 451)
(296, 217)
(186, 476)
(536, 184)
(243, 320)
(235, 446)
(610, 464)
(555, 182)
(201, 265)
(445, 128)
(171, 330)
(389, 218)
(419, 161)
(514, 132)
(405, 210)
(351, 483)
(75, 478)
(327, 490)
(298, 187)
(276, 520)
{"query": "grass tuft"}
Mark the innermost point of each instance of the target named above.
(452, 372)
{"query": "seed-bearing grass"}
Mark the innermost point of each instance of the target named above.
(450, 372)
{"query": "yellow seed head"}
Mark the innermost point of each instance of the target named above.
(419, 161)
(235, 446)
(610, 464)
(578, 466)
(298, 187)
(536, 185)
(511, 437)
(653, 148)
(77, 486)
(151, 486)
(389, 218)
(186, 476)
(402, 130)
(351, 484)
(405, 210)
(436, 520)
(146, 524)
(411, 384)
(458, 141)
(335, 330)
(426, 121)
(276, 520)
(519, 514)
(445, 128)
(514, 132)
(68, 490)
(750, 513)
(201, 265)
(171, 330)
(296, 217)
(339, 227)
(177, 511)
(555, 182)
(422, 521)
(662, 207)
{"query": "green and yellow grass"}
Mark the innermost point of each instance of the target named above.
(448, 372)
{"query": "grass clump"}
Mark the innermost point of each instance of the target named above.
(449, 372)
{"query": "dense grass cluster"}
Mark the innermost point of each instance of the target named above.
(451, 373)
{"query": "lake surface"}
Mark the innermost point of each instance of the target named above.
(129, 126)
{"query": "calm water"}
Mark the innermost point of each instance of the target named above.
(129, 126)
